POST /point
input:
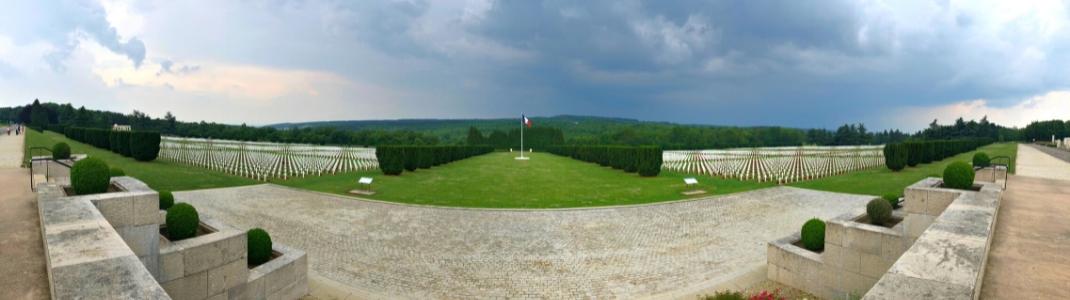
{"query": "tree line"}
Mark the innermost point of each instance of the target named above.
(57, 117)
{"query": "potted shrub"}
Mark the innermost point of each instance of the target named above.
(166, 200)
(893, 200)
(813, 235)
(981, 160)
(958, 175)
(61, 151)
(879, 212)
(182, 222)
(90, 176)
(259, 247)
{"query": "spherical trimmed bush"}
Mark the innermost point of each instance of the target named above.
(90, 176)
(116, 172)
(182, 220)
(958, 175)
(259, 246)
(879, 211)
(166, 200)
(980, 159)
(726, 295)
(893, 200)
(61, 151)
(813, 235)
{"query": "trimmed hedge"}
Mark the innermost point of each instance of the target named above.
(144, 145)
(879, 211)
(258, 245)
(895, 156)
(90, 176)
(893, 200)
(393, 160)
(813, 235)
(182, 221)
(61, 151)
(645, 160)
(141, 145)
(120, 142)
(922, 152)
(958, 175)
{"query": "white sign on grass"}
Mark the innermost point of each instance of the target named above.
(365, 180)
(690, 181)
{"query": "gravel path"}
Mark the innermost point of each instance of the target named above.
(402, 251)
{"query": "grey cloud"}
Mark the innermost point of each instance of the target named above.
(63, 23)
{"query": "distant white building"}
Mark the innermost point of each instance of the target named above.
(117, 127)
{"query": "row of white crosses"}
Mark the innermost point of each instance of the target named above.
(780, 164)
(263, 161)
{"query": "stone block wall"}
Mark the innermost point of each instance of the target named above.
(947, 261)
(205, 266)
(855, 256)
(284, 277)
(86, 257)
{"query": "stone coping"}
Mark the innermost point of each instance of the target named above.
(86, 257)
(282, 277)
(947, 261)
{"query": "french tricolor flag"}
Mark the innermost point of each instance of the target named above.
(525, 120)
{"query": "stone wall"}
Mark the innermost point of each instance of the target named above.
(205, 266)
(108, 246)
(947, 260)
(86, 257)
(855, 256)
(858, 258)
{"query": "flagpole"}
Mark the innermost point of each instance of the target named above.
(522, 117)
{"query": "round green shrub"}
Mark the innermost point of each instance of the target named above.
(893, 200)
(61, 151)
(958, 175)
(166, 200)
(813, 235)
(90, 176)
(116, 172)
(144, 145)
(259, 246)
(980, 159)
(879, 211)
(895, 156)
(182, 220)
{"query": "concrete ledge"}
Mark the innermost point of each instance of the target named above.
(87, 258)
(947, 260)
(204, 266)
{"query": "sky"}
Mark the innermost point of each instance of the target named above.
(888, 64)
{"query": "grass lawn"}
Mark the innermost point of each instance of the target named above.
(497, 180)
(160, 175)
(880, 181)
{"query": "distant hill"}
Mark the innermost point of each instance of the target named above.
(454, 130)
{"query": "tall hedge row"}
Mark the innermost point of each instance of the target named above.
(141, 145)
(645, 160)
(393, 160)
(912, 153)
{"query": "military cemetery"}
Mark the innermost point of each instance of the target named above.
(484, 149)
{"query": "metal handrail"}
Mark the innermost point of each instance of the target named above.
(47, 160)
(1006, 167)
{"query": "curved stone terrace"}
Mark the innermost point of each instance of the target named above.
(376, 249)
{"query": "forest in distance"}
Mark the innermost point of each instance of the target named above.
(504, 133)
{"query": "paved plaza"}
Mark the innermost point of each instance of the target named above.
(377, 249)
(22, 259)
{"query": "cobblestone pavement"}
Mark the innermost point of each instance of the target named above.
(402, 251)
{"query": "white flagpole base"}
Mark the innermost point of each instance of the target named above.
(522, 158)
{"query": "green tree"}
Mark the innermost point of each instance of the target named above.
(475, 137)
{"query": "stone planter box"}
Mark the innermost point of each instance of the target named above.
(854, 258)
(204, 266)
(285, 276)
(90, 254)
(131, 210)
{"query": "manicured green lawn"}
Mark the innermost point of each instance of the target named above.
(499, 181)
(880, 181)
(159, 175)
